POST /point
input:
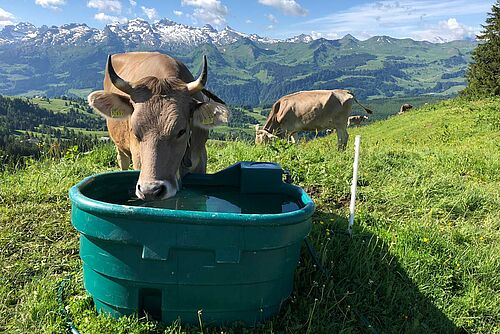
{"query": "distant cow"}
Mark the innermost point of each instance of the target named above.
(314, 110)
(356, 120)
(404, 108)
(158, 117)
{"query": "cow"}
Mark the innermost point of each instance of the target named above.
(314, 110)
(158, 116)
(404, 108)
(356, 120)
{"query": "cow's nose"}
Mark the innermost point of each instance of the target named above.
(151, 191)
(158, 190)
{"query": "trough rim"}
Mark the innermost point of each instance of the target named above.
(162, 215)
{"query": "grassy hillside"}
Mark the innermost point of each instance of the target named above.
(424, 257)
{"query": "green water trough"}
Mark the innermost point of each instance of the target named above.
(224, 249)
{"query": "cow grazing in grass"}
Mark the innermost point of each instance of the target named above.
(356, 120)
(404, 108)
(158, 116)
(314, 110)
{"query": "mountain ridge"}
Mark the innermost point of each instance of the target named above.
(245, 69)
(140, 31)
(136, 31)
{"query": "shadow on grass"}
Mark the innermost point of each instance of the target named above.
(367, 292)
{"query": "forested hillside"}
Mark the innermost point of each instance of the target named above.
(28, 130)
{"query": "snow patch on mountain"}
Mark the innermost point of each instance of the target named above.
(135, 32)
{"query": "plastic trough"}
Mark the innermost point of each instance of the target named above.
(173, 263)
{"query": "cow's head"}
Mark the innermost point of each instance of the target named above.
(162, 114)
(262, 136)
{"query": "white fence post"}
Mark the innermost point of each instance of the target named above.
(352, 206)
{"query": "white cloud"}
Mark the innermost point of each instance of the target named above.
(109, 18)
(114, 6)
(207, 11)
(272, 18)
(288, 7)
(332, 35)
(398, 18)
(178, 13)
(149, 12)
(52, 4)
(132, 3)
(448, 30)
(270, 27)
(6, 18)
(248, 21)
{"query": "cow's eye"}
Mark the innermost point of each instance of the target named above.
(181, 133)
(138, 135)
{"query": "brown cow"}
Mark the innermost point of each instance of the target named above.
(157, 116)
(404, 108)
(314, 110)
(356, 120)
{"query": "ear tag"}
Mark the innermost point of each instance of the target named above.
(208, 117)
(116, 113)
(208, 120)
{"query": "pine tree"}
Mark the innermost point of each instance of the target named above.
(483, 74)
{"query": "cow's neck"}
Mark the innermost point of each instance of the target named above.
(271, 125)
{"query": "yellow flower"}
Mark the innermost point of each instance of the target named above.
(426, 240)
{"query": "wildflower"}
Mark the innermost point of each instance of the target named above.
(426, 240)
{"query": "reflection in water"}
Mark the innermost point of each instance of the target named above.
(222, 199)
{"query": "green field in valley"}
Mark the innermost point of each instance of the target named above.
(424, 257)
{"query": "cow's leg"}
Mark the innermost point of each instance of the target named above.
(123, 159)
(294, 137)
(342, 138)
(345, 139)
(339, 139)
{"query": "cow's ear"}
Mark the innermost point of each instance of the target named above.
(207, 115)
(111, 105)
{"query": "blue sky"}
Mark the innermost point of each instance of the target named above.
(417, 19)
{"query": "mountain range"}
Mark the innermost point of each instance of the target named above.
(161, 34)
(244, 68)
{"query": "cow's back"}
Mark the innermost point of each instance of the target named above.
(314, 110)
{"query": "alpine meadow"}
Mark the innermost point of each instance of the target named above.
(424, 253)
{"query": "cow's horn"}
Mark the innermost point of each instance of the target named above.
(118, 82)
(199, 84)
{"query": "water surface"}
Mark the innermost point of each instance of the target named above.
(222, 199)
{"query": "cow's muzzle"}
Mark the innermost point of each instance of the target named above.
(156, 190)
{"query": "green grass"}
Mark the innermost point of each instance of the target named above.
(424, 257)
(55, 105)
(83, 93)
(98, 133)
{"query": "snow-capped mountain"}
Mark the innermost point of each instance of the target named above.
(135, 32)
(302, 38)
